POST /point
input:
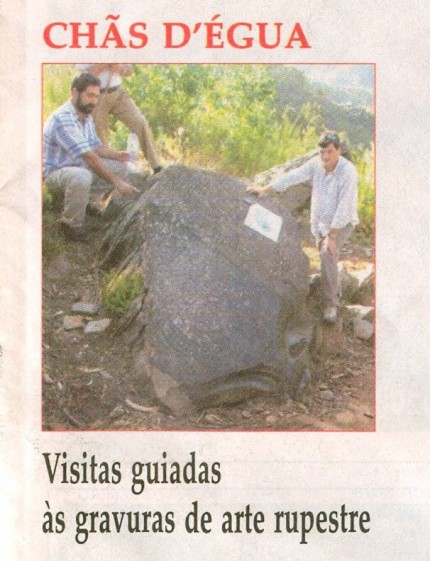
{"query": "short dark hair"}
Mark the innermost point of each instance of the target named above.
(329, 137)
(84, 80)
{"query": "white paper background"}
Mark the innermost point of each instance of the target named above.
(387, 472)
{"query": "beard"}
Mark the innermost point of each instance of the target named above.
(84, 107)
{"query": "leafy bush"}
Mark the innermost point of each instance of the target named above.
(223, 117)
(57, 81)
(366, 191)
(120, 289)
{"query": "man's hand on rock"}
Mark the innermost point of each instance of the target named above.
(330, 245)
(124, 188)
(258, 191)
(123, 157)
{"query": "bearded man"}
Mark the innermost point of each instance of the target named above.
(76, 162)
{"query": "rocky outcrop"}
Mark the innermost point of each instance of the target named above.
(222, 316)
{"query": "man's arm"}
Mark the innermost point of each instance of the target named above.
(346, 211)
(259, 191)
(71, 139)
(301, 174)
(108, 152)
(329, 241)
(96, 164)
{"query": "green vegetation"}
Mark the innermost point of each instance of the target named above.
(46, 199)
(366, 200)
(221, 117)
(57, 79)
(52, 241)
(120, 289)
(238, 119)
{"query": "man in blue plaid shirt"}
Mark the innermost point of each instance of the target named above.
(75, 161)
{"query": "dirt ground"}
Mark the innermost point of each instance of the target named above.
(89, 381)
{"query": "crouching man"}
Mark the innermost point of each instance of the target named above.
(75, 161)
(333, 209)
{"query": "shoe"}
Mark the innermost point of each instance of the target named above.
(157, 169)
(330, 314)
(93, 210)
(74, 233)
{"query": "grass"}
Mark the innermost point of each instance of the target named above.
(53, 243)
(312, 254)
(120, 289)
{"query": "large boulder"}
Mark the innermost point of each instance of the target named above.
(222, 315)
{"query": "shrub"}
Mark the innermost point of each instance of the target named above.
(366, 192)
(57, 80)
(120, 289)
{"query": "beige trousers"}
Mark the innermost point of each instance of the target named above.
(329, 272)
(77, 184)
(119, 104)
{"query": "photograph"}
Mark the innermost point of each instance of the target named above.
(208, 257)
(213, 281)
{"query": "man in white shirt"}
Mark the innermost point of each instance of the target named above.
(333, 209)
(116, 101)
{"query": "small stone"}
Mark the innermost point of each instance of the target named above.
(72, 322)
(363, 329)
(86, 369)
(366, 293)
(302, 407)
(213, 419)
(370, 316)
(271, 420)
(246, 414)
(117, 412)
(363, 274)
(341, 375)
(85, 308)
(346, 419)
(368, 252)
(327, 395)
(259, 408)
(362, 312)
(349, 283)
(97, 326)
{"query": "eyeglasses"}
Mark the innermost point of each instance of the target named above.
(329, 137)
